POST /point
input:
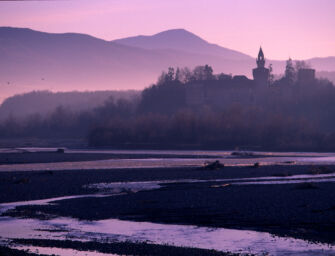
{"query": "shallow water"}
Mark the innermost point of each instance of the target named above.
(238, 241)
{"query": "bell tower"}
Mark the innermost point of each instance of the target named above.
(261, 74)
(260, 60)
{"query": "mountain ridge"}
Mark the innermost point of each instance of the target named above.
(179, 39)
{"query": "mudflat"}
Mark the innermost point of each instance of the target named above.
(301, 210)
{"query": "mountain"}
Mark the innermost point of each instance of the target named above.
(181, 40)
(326, 74)
(326, 64)
(32, 60)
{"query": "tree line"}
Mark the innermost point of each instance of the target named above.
(285, 116)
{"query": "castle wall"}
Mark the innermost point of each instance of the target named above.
(221, 93)
(261, 76)
(306, 76)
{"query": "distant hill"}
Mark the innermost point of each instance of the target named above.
(328, 75)
(44, 102)
(182, 40)
(32, 60)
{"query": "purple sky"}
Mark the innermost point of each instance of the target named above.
(297, 28)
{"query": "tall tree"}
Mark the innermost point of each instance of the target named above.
(290, 73)
(170, 74)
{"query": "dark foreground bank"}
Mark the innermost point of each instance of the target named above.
(305, 210)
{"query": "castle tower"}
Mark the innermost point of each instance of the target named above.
(261, 74)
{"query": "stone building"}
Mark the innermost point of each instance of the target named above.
(229, 90)
(306, 76)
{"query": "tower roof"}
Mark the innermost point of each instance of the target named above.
(260, 53)
(260, 60)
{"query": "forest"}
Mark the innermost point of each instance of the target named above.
(285, 116)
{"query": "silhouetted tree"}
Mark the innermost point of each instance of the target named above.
(271, 75)
(203, 73)
(170, 74)
(178, 75)
(301, 65)
(224, 77)
(290, 74)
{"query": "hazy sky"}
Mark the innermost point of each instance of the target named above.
(296, 28)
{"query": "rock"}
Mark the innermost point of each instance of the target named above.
(60, 150)
(242, 153)
(213, 165)
(256, 165)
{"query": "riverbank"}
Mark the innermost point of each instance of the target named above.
(304, 210)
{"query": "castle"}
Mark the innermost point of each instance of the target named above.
(239, 89)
